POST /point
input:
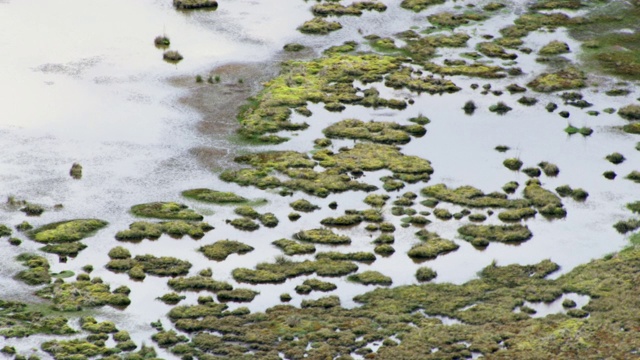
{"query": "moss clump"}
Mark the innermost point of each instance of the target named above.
(624, 226)
(554, 48)
(221, 249)
(149, 264)
(237, 295)
(549, 169)
(450, 20)
(510, 187)
(194, 4)
(315, 285)
(66, 231)
(320, 26)
(376, 200)
(528, 101)
(493, 6)
(366, 257)
(119, 252)
(269, 220)
(23, 226)
(166, 210)
(494, 50)
(214, 196)
(92, 325)
(355, 9)
(82, 293)
(512, 164)
(407, 78)
(633, 128)
(345, 220)
(282, 269)
(566, 79)
(244, 224)
(610, 175)
(76, 171)
(469, 196)
(162, 41)
(291, 247)
(500, 108)
(141, 230)
(172, 56)
(615, 158)
(442, 214)
(547, 203)
(500, 233)
(198, 283)
(424, 274)
(370, 278)
(379, 132)
(304, 206)
(384, 250)
(532, 172)
(577, 194)
(32, 209)
(65, 249)
(517, 214)
(171, 298)
(293, 47)
(478, 70)
(247, 211)
(37, 272)
(322, 236)
(419, 5)
(630, 112)
(431, 247)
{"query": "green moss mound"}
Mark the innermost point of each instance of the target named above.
(291, 247)
(379, 132)
(37, 272)
(214, 196)
(198, 283)
(166, 210)
(471, 197)
(66, 231)
(141, 230)
(220, 250)
(566, 79)
(322, 236)
(370, 278)
(500, 233)
(431, 247)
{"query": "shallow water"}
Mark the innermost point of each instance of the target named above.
(78, 89)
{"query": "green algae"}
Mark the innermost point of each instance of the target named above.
(166, 210)
(66, 231)
(214, 196)
(221, 249)
(291, 247)
(379, 132)
(141, 230)
(370, 277)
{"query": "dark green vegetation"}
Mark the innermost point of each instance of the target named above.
(577, 194)
(472, 197)
(291, 247)
(198, 283)
(214, 196)
(370, 278)
(566, 79)
(66, 231)
(76, 171)
(547, 203)
(425, 274)
(19, 320)
(141, 230)
(282, 269)
(319, 25)
(83, 293)
(322, 236)
(172, 56)
(355, 9)
(303, 205)
(165, 210)
(221, 249)
(37, 272)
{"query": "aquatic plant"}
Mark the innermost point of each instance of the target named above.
(370, 277)
(214, 196)
(501, 233)
(66, 231)
(165, 210)
(322, 236)
(320, 26)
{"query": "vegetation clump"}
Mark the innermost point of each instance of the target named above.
(198, 283)
(322, 236)
(291, 247)
(194, 4)
(315, 285)
(76, 171)
(566, 79)
(379, 132)
(516, 214)
(293, 47)
(425, 274)
(237, 295)
(245, 224)
(547, 203)
(66, 231)
(149, 264)
(450, 20)
(282, 269)
(370, 278)
(419, 5)
(512, 164)
(172, 56)
(471, 197)
(431, 247)
(83, 293)
(500, 233)
(162, 41)
(549, 169)
(37, 272)
(630, 112)
(166, 210)
(366, 257)
(500, 108)
(214, 196)
(577, 194)
(555, 48)
(141, 230)
(303, 205)
(171, 298)
(220, 250)
(320, 26)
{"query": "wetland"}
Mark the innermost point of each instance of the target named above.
(415, 179)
